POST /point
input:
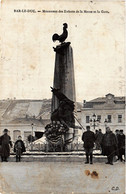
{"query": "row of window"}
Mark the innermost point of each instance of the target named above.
(108, 119)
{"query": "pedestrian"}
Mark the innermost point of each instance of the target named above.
(5, 146)
(96, 133)
(117, 132)
(19, 148)
(89, 138)
(98, 140)
(109, 145)
(121, 145)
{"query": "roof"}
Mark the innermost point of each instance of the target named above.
(102, 100)
(26, 121)
(12, 109)
(25, 111)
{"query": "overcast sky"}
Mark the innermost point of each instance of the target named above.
(27, 59)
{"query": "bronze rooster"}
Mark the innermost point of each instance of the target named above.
(61, 38)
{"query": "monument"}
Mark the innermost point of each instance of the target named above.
(60, 132)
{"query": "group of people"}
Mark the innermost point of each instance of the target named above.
(111, 144)
(6, 143)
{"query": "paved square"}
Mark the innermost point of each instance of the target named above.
(61, 178)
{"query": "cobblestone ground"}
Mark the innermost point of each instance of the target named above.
(61, 178)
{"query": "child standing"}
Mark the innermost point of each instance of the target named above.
(19, 148)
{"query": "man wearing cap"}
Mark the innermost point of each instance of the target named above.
(89, 138)
(5, 149)
(121, 145)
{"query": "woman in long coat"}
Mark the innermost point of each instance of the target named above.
(5, 148)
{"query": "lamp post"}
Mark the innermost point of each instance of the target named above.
(94, 122)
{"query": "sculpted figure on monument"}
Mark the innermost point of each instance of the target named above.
(64, 113)
(61, 38)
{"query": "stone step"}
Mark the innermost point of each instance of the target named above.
(56, 158)
(57, 153)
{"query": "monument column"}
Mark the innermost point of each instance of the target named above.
(64, 73)
(61, 131)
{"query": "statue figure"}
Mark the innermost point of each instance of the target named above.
(61, 38)
(64, 112)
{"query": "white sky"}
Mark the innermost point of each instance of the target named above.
(27, 58)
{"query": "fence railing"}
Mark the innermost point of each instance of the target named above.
(45, 147)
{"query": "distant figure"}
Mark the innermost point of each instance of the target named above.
(98, 140)
(109, 145)
(5, 149)
(117, 132)
(89, 138)
(96, 133)
(19, 148)
(121, 145)
(61, 38)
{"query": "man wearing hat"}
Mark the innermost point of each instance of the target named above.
(109, 145)
(89, 138)
(121, 145)
(5, 149)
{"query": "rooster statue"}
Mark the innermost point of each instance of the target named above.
(61, 38)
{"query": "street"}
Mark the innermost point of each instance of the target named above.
(61, 178)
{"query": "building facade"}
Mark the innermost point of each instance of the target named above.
(24, 117)
(23, 128)
(104, 111)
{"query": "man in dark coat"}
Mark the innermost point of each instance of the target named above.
(109, 145)
(121, 145)
(5, 149)
(89, 138)
(19, 148)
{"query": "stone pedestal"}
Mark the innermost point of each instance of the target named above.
(64, 77)
(69, 134)
(64, 73)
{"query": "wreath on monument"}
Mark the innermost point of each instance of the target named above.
(54, 132)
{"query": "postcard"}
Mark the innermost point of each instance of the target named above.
(62, 99)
